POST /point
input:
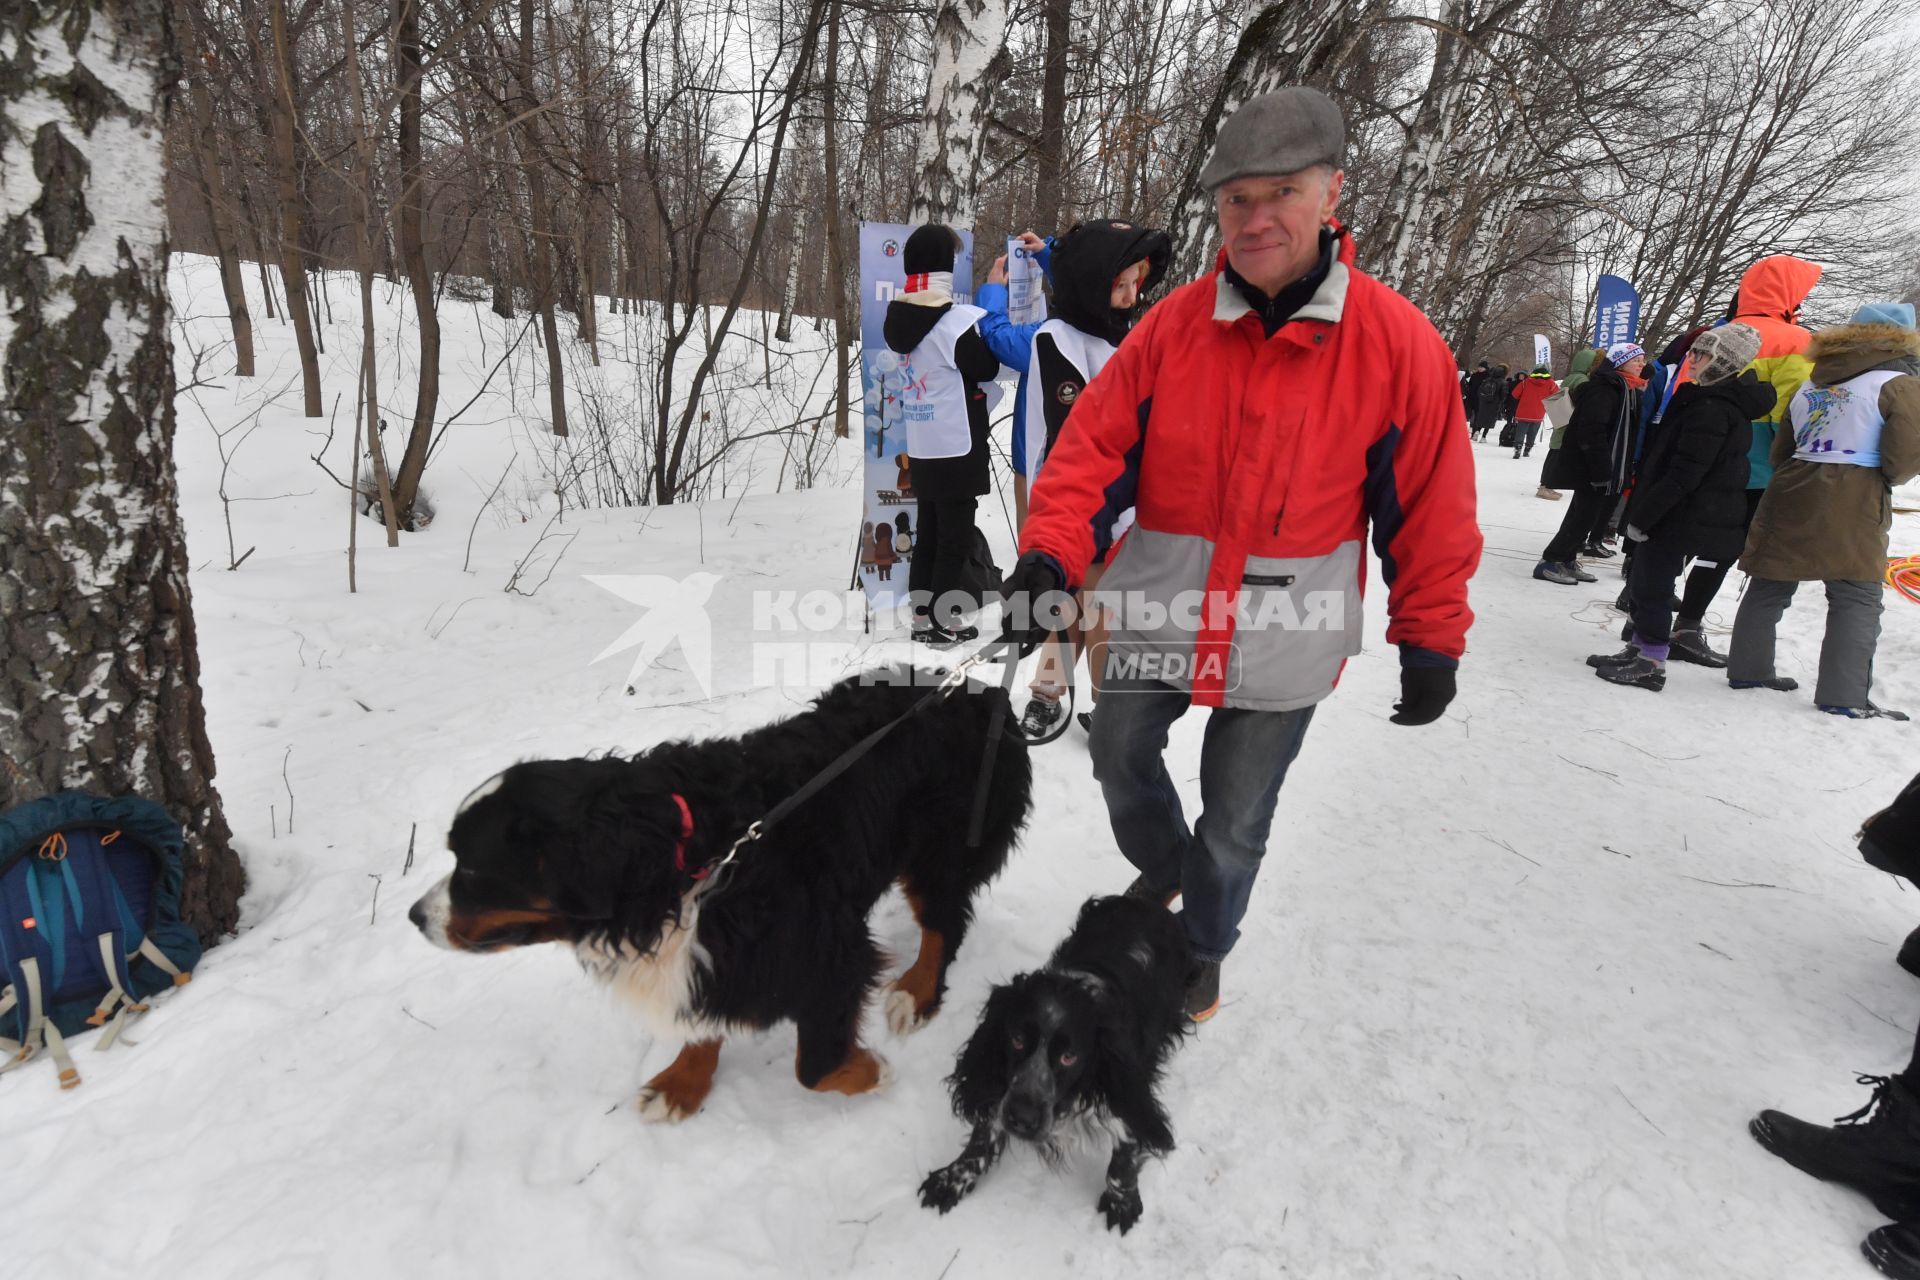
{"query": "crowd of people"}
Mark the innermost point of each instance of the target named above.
(1748, 441)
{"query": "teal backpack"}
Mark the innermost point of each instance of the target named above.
(89, 921)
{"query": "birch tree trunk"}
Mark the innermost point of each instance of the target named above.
(1281, 42)
(969, 56)
(99, 669)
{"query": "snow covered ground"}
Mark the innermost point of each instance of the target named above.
(1510, 988)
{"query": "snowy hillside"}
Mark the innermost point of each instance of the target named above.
(1509, 990)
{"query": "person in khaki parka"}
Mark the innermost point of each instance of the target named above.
(1854, 434)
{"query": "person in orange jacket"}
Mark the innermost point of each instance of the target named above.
(1259, 420)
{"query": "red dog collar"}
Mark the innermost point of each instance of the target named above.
(686, 834)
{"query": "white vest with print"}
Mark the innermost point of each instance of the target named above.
(933, 395)
(1842, 422)
(1084, 352)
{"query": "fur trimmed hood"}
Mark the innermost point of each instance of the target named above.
(1849, 350)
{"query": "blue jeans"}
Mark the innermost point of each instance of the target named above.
(1243, 760)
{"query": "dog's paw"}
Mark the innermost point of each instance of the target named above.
(945, 1188)
(904, 1015)
(1122, 1207)
(657, 1106)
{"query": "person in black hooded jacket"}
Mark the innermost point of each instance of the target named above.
(1591, 460)
(1098, 273)
(1689, 500)
(945, 361)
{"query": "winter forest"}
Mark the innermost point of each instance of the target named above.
(439, 514)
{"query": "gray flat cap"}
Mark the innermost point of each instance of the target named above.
(1280, 132)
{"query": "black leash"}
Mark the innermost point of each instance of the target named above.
(953, 680)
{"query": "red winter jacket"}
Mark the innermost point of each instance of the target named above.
(1255, 465)
(1530, 397)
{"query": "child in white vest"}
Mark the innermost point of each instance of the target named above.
(944, 362)
(1099, 271)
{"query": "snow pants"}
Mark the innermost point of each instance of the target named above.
(1846, 652)
(940, 548)
(1244, 758)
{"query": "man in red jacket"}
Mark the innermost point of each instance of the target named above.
(1257, 420)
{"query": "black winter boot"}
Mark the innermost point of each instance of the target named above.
(1041, 715)
(1875, 1151)
(1894, 1250)
(1598, 661)
(1203, 990)
(1639, 672)
(1689, 644)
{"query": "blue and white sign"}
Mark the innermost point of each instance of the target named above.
(1542, 352)
(1616, 312)
(1026, 300)
(890, 516)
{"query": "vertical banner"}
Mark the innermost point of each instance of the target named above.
(890, 518)
(1542, 352)
(1026, 301)
(1616, 312)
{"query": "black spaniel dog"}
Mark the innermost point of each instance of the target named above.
(612, 857)
(1075, 1050)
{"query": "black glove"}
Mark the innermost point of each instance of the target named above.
(1024, 617)
(1424, 694)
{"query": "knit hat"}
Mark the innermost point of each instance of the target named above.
(1284, 131)
(1621, 352)
(930, 248)
(1900, 313)
(1719, 354)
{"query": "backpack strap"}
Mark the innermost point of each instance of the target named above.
(159, 959)
(41, 1033)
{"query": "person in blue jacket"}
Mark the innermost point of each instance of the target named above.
(1013, 343)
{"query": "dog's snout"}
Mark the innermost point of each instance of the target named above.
(1026, 1116)
(419, 914)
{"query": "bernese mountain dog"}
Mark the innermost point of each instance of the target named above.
(1074, 1051)
(612, 857)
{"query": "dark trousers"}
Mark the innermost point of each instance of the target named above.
(1656, 565)
(940, 549)
(1244, 758)
(1587, 512)
(1524, 434)
(1704, 583)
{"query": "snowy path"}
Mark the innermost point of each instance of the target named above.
(1509, 991)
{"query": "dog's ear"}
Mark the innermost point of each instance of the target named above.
(607, 843)
(1123, 1082)
(980, 1079)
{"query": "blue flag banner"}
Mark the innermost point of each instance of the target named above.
(890, 517)
(1616, 312)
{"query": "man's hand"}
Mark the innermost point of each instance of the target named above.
(997, 273)
(1031, 242)
(1424, 694)
(1024, 617)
